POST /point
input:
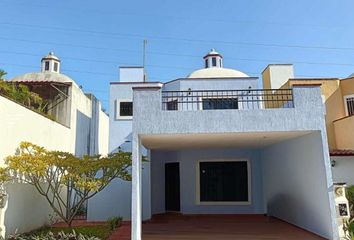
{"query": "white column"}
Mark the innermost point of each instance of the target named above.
(136, 188)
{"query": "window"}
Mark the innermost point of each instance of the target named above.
(220, 103)
(213, 61)
(224, 182)
(46, 65)
(172, 105)
(349, 102)
(124, 109)
(206, 63)
(55, 67)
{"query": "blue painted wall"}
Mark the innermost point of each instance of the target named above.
(188, 160)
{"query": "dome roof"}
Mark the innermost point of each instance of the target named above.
(43, 77)
(216, 72)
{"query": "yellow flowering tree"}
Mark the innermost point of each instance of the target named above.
(55, 173)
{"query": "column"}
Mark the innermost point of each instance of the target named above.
(136, 188)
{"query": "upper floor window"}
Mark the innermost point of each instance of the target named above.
(219, 103)
(46, 65)
(55, 67)
(349, 103)
(213, 61)
(172, 105)
(124, 109)
(206, 63)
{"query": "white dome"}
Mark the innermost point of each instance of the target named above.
(216, 72)
(43, 77)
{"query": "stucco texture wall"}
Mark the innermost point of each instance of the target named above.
(344, 133)
(293, 176)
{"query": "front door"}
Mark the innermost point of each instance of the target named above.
(172, 191)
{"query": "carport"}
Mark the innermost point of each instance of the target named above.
(287, 186)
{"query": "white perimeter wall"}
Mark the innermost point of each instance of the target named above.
(26, 209)
(343, 171)
(115, 199)
(293, 176)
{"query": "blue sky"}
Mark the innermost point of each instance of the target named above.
(93, 38)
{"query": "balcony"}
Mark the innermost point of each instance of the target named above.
(227, 99)
(177, 112)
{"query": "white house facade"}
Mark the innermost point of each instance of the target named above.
(218, 144)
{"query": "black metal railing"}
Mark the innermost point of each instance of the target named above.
(227, 99)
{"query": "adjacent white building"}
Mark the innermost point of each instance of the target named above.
(79, 127)
(219, 144)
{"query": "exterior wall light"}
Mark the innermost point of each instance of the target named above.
(333, 163)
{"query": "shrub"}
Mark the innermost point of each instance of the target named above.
(51, 236)
(115, 222)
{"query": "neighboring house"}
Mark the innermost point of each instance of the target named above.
(218, 144)
(338, 96)
(79, 127)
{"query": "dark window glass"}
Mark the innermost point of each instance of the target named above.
(172, 105)
(213, 61)
(55, 67)
(206, 63)
(223, 182)
(220, 103)
(46, 66)
(350, 106)
(126, 109)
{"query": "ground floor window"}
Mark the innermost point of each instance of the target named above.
(224, 181)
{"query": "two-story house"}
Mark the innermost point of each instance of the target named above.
(220, 145)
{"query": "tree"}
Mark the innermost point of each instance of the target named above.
(2, 74)
(54, 173)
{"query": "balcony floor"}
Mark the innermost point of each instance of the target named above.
(235, 227)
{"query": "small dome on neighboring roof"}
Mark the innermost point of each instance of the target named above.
(213, 52)
(214, 68)
(51, 56)
(217, 73)
(43, 77)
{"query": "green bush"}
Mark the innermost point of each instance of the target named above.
(115, 222)
(53, 236)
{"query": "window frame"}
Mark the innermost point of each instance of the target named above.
(249, 183)
(117, 109)
(346, 104)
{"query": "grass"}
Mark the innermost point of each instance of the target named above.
(100, 231)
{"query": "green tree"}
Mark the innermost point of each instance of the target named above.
(55, 173)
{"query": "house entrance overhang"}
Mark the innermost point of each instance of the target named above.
(217, 140)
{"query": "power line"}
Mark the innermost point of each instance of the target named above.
(189, 18)
(141, 37)
(181, 55)
(111, 75)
